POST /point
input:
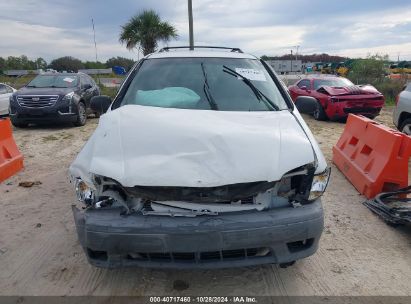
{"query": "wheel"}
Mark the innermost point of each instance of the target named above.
(19, 124)
(319, 113)
(81, 115)
(406, 126)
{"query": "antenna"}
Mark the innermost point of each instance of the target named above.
(94, 34)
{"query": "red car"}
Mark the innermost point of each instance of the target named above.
(337, 97)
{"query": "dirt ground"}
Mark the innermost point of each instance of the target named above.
(40, 255)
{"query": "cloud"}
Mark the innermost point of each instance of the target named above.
(51, 42)
(51, 29)
(387, 33)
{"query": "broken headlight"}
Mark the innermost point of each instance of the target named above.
(319, 184)
(83, 192)
(68, 97)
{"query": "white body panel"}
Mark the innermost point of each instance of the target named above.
(5, 101)
(149, 146)
(403, 106)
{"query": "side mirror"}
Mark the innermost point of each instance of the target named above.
(100, 104)
(304, 88)
(306, 104)
(87, 86)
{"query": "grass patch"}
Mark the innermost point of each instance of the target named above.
(108, 91)
(49, 138)
(67, 136)
(389, 101)
(17, 82)
(61, 136)
(390, 88)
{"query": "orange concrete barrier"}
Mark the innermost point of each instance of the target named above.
(11, 160)
(373, 157)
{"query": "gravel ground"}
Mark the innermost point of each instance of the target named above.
(40, 254)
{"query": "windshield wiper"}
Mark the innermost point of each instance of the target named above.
(207, 93)
(31, 86)
(260, 95)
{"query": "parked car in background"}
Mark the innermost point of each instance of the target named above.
(5, 92)
(201, 161)
(53, 97)
(402, 111)
(337, 97)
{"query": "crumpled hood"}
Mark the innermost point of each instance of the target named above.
(150, 146)
(351, 90)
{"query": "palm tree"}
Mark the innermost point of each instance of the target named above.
(145, 30)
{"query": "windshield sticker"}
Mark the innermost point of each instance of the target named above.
(68, 79)
(251, 74)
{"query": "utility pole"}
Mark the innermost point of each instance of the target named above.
(190, 23)
(296, 53)
(95, 48)
(291, 62)
(94, 34)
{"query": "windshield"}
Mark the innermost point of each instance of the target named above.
(53, 81)
(332, 82)
(205, 84)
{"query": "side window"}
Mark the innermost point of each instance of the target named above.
(91, 81)
(3, 89)
(408, 88)
(304, 83)
(84, 81)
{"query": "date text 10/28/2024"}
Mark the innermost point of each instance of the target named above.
(199, 299)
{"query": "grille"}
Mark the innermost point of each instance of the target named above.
(193, 257)
(42, 101)
(354, 101)
(244, 201)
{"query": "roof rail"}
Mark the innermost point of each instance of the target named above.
(167, 48)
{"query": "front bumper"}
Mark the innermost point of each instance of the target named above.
(62, 111)
(338, 110)
(279, 235)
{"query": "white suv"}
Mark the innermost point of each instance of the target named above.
(402, 111)
(201, 161)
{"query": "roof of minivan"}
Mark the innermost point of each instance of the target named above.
(200, 53)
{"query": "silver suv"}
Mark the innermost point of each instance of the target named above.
(402, 112)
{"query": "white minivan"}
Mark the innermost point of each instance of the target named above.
(201, 161)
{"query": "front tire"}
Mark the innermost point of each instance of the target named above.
(81, 115)
(19, 124)
(406, 126)
(319, 113)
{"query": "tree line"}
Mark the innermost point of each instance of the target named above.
(66, 63)
(142, 31)
(307, 58)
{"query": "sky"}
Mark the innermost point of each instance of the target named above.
(351, 28)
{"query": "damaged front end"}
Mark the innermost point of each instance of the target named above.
(199, 189)
(297, 187)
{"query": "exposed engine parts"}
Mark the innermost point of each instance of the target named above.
(293, 189)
